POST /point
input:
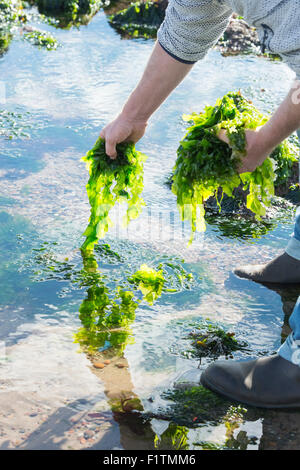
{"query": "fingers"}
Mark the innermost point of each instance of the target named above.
(121, 130)
(110, 145)
(110, 149)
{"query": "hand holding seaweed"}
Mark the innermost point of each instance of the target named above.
(205, 163)
(122, 129)
(255, 151)
(112, 181)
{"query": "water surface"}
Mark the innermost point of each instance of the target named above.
(58, 102)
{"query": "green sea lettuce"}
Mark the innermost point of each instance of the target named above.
(112, 181)
(42, 39)
(149, 281)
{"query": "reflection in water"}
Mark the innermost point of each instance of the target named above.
(106, 317)
(239, 226)
(105, 314)
(235, 225)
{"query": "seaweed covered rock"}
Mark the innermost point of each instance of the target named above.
(140, 19)
(5, 39)
(70, 12)
(143, 19)
(205, 164)
(42, 39)
(9, 12)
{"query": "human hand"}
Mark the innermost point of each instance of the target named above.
(122, 129)
(256, 150)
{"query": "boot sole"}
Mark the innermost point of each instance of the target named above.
(213, 388)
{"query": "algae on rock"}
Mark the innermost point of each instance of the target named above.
(70, 12)
(42, 39)
(9, 11)
(210, 339)
(140, 19)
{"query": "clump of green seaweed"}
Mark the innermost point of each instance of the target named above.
(140, 19)
(204, 163)
(5, 39)
(149, 281)
(9, 11)
(175, 438)
(42, 39)
(112, 181)
(209, 339)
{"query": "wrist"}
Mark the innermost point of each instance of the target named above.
(135, 110)
(133, 116)
(261, 142)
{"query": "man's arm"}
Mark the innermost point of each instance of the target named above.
(283, 123)
(189, 30)
(162, 74)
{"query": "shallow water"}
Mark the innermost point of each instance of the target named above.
(51, 396)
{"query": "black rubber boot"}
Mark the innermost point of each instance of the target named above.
(269, 382)
(282, 270)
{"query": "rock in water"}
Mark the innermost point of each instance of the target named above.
(140, 19)
(239, 38)
(70, 12)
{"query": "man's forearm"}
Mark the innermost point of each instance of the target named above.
(161, 76)
(284, 122)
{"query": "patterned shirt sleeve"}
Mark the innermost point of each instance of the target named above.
(192, 27)
(279, 31)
